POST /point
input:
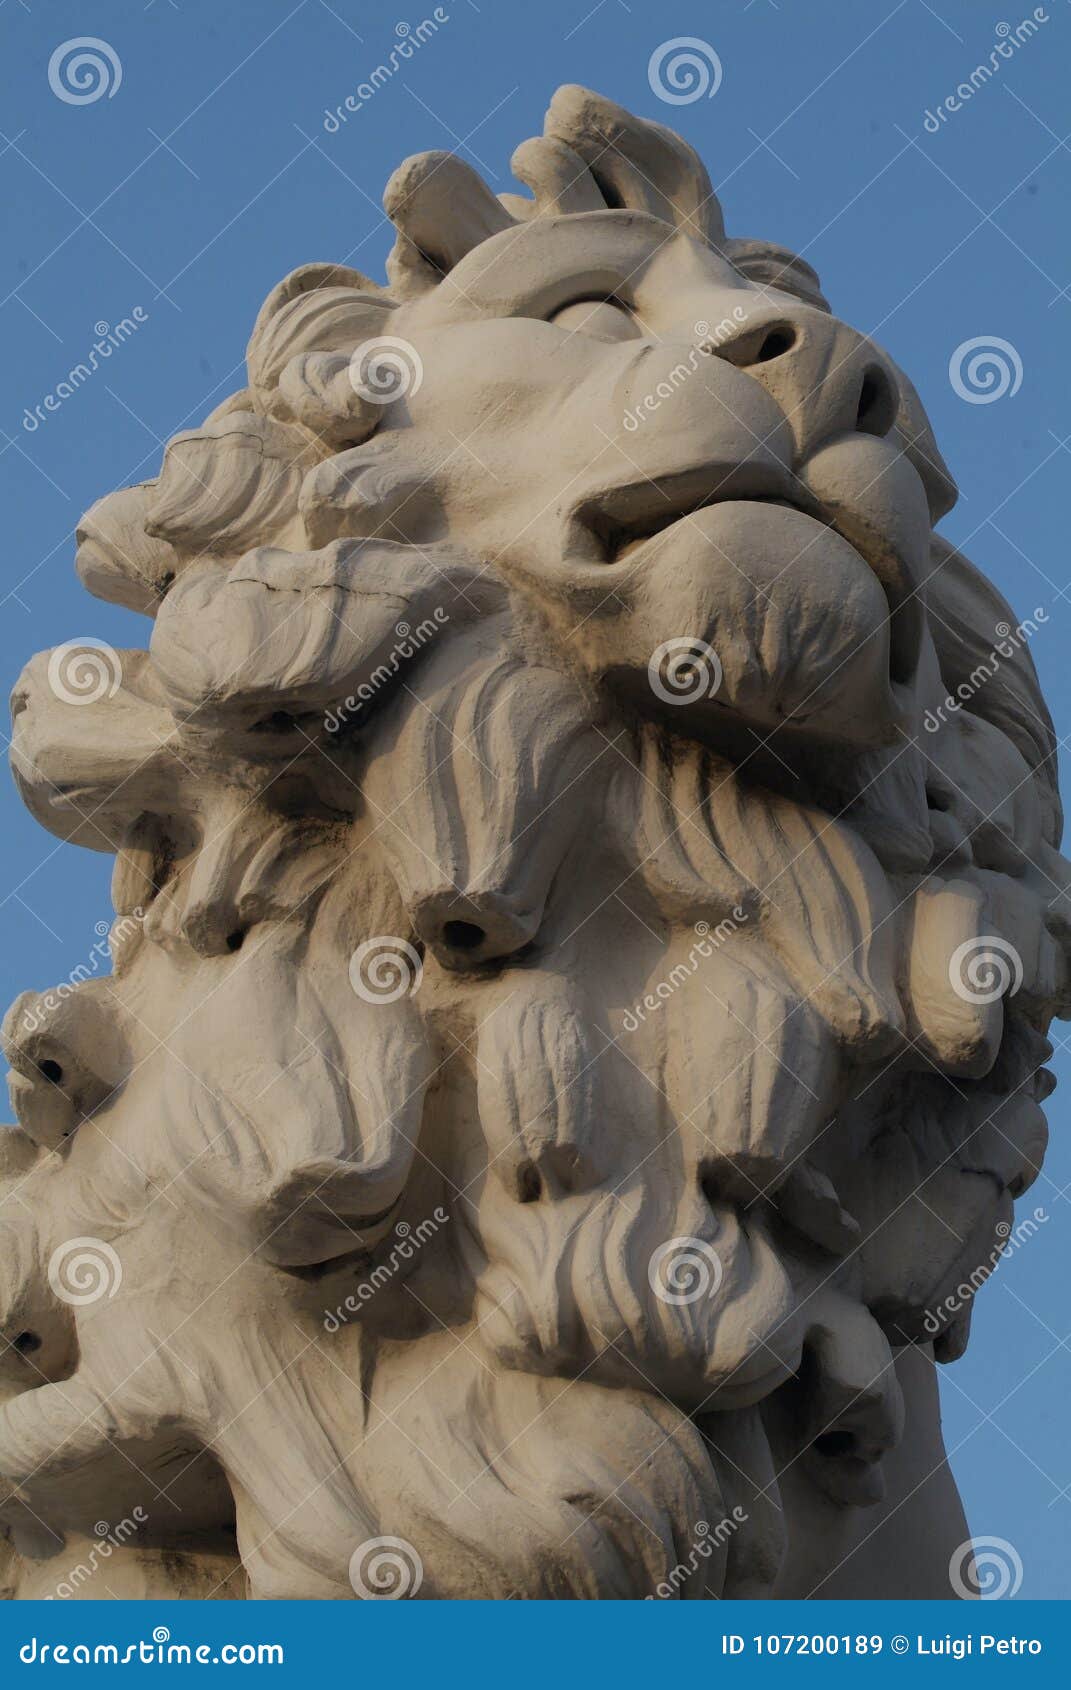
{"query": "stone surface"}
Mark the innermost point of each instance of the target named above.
(588, 907)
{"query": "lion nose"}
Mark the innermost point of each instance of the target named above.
(828, 379)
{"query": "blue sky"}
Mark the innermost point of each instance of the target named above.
(209, 173)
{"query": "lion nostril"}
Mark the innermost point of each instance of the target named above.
(876, 409)
(777, 342)
(835, 1444)
(463, 935)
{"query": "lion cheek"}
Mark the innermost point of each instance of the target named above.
(788, 623)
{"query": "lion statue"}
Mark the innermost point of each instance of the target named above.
(588, 910)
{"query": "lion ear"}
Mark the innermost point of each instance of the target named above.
(441, 209)
(560, 181)
(636, 164)
(319, 308)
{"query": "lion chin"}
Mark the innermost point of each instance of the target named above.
(582, 959)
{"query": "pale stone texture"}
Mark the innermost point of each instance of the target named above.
(578, 990)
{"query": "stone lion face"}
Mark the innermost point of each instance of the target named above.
(686, 453)
(567, 628)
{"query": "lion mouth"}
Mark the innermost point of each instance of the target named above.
(612, 525)
(617, 525)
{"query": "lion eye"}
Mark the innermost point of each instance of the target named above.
(604, 319)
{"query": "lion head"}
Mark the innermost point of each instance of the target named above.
(586, 933)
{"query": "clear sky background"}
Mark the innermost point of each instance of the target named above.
(209, 174)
